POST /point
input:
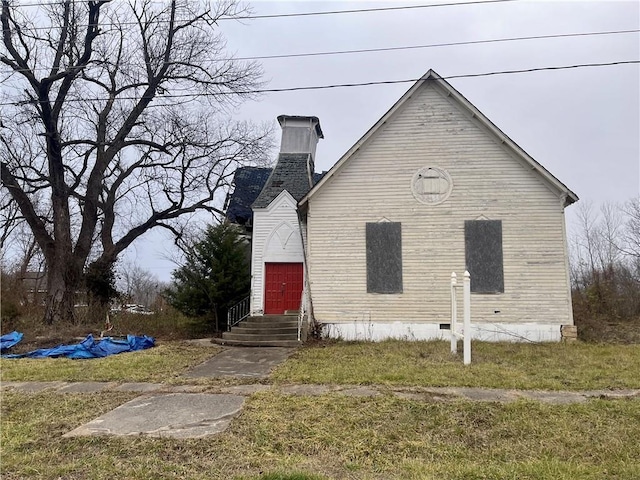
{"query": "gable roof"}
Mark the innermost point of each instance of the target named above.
(290, 174)
(431, 76)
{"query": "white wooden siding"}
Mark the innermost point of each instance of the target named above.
(488, 181)
(267, 246)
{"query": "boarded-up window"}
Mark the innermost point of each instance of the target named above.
(483, 253)
(384, 257)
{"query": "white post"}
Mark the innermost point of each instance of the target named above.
(466, 289)
(454, 313)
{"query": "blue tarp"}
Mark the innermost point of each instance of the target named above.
(90, 348)
(9, 340)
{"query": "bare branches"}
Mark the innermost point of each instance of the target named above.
(15, 60)
(631, 229)
(26, 206)
(111, 169)
(605, 240)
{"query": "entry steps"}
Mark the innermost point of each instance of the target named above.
(265, 331)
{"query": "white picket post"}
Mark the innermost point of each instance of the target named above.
(454, 313)
(466, 289)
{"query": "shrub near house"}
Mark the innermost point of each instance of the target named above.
(214, 277)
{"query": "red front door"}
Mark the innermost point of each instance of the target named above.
(283, 287)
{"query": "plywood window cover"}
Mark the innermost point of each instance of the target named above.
(484, 255)
(384, 257)
(431, 185)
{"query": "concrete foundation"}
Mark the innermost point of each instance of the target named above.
(489, 332)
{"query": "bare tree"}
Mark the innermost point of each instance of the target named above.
(605, 270)
(610, 233)
(631, 233)
(585, 245)
(116, 115)
(138, 285)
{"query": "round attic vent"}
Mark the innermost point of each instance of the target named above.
(431, 185)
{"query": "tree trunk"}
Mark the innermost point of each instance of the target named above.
(100, 285)
(62, 283)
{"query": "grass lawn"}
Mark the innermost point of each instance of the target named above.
(551, 366)
(162, 363)
(287, 437)
(332, 437)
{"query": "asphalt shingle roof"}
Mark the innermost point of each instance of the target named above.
(290, 174)
(251, 181)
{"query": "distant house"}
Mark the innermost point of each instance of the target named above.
(34, 284)
(432, 188)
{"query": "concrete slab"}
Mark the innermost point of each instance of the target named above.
(245, 390)
(486, 395)
(139, 387)
(242, 362)
(360, 392)
(612, 394)
(186, 388)
(86, 387)
(423, 397)
(175, 415)
(11, 385)
(554, 397)
(37, 387)
(311, 390)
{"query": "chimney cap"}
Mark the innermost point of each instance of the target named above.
(314, 120)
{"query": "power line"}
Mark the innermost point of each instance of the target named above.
(283, 15)
(468, 75)
(406, 47)
(359, 84)
(308, 14)
(379, 9)
(434, 45)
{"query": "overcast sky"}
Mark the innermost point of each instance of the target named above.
(582, 124)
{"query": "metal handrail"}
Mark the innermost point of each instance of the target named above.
(238, 312)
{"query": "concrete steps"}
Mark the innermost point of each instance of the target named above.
(258, 343)
(264, 331)
(260, 330)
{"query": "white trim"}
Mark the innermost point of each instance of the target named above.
(289, 254)
(278, 201)
(565, 247)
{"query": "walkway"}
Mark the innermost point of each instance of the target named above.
(443, 394)
(192, 410)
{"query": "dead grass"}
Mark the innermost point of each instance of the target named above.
(161, 364)
(170, 325)
(604, 330)
(310, 438)
(551, 366)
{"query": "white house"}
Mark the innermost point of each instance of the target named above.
(432, 188)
